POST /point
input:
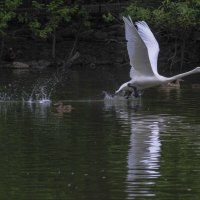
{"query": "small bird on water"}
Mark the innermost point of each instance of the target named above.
(61, 108)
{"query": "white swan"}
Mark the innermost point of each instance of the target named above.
(143, 52)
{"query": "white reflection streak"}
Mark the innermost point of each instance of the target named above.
(144, 152)
(153, 149)
(143, 157)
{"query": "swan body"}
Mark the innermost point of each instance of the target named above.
(143, 50)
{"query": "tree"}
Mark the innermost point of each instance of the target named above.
(49, 17)
(7, 13)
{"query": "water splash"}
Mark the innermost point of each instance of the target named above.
(117, 98)
(7, 93)
(41, 91)
(4, 97)
(39, 94)
(120, 102)
(107, 96)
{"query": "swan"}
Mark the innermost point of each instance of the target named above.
(143, 50)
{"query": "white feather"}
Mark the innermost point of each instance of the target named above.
(150, 42)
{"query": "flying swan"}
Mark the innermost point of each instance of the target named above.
(143, 52)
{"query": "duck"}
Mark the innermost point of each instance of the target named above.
(175, 84)
(196, 86)
(61, 108)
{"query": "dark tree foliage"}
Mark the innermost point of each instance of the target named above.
(174, 20)
(7, 13)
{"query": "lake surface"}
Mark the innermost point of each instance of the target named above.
(101, 150)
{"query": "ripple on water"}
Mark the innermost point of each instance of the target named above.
(102, 150)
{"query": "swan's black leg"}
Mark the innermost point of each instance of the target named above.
(127, 94)
(136, 94)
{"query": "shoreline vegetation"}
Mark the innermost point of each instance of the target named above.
(57, 34)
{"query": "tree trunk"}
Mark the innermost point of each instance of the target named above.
(74, 47)
(182, 53)
(173, 57)
(54, 45)
(2, 48)
(73, 55)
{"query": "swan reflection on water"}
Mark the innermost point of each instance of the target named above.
(143, 157)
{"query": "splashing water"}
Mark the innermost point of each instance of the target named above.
(7, 94)
(110, 97)
(111, 101)
(41, 92)
(107, 96)
(38, 92)
(4, 97)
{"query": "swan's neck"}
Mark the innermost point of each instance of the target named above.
(179, 76)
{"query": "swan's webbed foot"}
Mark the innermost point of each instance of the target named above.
(135, 90)
(127, 94)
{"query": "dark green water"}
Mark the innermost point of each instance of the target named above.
(101, 150)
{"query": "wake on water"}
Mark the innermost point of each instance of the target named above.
(120, 102)
(110, 97)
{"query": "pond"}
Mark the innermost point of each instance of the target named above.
(99, 150)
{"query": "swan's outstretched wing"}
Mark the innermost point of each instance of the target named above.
(137, 51)
(150, 42)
